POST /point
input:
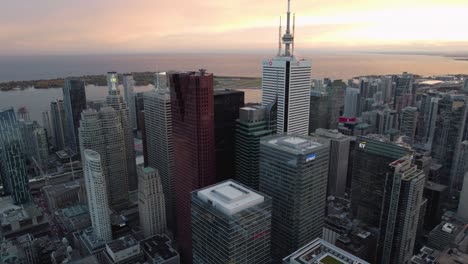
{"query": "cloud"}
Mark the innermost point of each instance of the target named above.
(106, 26)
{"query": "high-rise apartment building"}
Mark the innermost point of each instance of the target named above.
(102, 132)
(59, 125)
(97, 193)
(192, 114)
(26, 129)
(47, 124)
(74, 102)
(115, 100)
(403, 196)
(128, 84)
(231, 224)
(338, 165)
(404, 91)
(287, 80)
(294, 172)
(160, 144)
(151, 204)
(13, 160)
(408, 123)
(226, 111)
(251, 126)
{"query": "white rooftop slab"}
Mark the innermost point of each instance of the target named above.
(297, 143)
(229, 197)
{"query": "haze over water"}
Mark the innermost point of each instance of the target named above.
(335, 66)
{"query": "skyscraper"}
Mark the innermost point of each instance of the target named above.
(320, 116)
(129, 97)
(400, 212)
(226, 111)
(57, 114)
(351, 103)
(47, 124)
(151, 204)
(251, 126)
(160, 145)
(97, 192)
(335, 102)
(448, 134)
(115, 100)
(372, 156)
(294, 172)
(462, 210)
(74, 102)
(408, 123)
(194, 145)
(41, 147)
(338, 165)
(231, 224)
(287, 80)
(460, 166)
(15, 178)
(387, 194)
(102, 132)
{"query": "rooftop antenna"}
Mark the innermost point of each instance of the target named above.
(288, 39)
(279, 39)
(293, 34)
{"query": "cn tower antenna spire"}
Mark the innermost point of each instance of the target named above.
(288, 39)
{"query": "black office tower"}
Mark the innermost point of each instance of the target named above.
(74, 102)
(226, 111)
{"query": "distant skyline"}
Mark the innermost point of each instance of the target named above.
(148, 26)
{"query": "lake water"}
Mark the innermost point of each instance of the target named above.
(335, 66)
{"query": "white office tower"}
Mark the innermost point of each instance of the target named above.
(115, 100)
(128, 84)
(351, 104)
(287, 80)
(102, 132)
(158, 124)
(151, 204)
(96, 189)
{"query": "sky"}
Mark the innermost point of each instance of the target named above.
(30, 27)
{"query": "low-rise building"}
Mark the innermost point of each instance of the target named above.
(158, 250)
(20, 220)
(320, 251)
(124, 250)
(65, 194)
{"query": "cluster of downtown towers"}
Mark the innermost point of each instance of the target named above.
(195, 137)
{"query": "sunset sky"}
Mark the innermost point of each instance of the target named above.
(157, 26)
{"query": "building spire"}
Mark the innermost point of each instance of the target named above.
(288, 39)
(279, 39)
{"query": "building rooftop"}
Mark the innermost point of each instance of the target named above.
(229, 197)
(91, 240)
(298, 144)
(122, 243)
(159, 248)
(320, 251)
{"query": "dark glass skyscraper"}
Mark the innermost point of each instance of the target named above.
(226, 111)
(74, 102)
(194, 145)
(251, 126)
(294, 172)
(13, 159)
